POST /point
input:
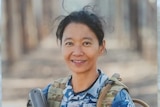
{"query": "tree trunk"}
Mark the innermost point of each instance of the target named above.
(23, 4)
(8, 31)
(136, 41)
(158, 33)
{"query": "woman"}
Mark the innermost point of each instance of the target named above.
(82, 42)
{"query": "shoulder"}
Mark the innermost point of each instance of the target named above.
(58, 83)
(122, 99)
(114, 93)
(45, 90)
(56, 86)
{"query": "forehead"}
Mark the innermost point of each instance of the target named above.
(76, 26)
(77, 30)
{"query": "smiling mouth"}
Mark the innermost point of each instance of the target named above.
(78, 61)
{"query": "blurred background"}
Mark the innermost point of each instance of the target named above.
(31, 57)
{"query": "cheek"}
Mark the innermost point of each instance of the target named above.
(93, 53)
(65, 53)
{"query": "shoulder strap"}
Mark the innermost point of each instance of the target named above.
(55, 92)
(114, 85)
(108, 92)
(140, 102)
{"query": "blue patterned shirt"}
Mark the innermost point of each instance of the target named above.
(89, 97)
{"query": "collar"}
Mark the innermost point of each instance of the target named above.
(93, 91)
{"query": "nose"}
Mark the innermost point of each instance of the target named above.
(77, 51)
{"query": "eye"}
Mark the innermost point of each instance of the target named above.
(87, 43)
(68, 43)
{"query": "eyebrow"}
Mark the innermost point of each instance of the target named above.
(88, 38)
(68, 38)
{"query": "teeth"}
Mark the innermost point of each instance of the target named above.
(77, 61)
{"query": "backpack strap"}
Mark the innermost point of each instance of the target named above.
(113, 86)
(55, 92)
(108, 92)
(140, 102)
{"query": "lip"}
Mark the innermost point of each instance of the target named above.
(78, 62)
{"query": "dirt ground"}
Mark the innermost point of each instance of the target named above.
(44, 64)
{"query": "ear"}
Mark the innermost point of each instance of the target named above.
(103, 47)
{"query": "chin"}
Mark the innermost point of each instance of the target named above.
(78, 70)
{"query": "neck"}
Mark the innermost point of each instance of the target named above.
(81, 82)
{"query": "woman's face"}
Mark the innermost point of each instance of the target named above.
(80, 48)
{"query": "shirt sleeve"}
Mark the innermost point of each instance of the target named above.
(45, 90)
(123, 99)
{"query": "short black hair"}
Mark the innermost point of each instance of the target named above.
(85, 17)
